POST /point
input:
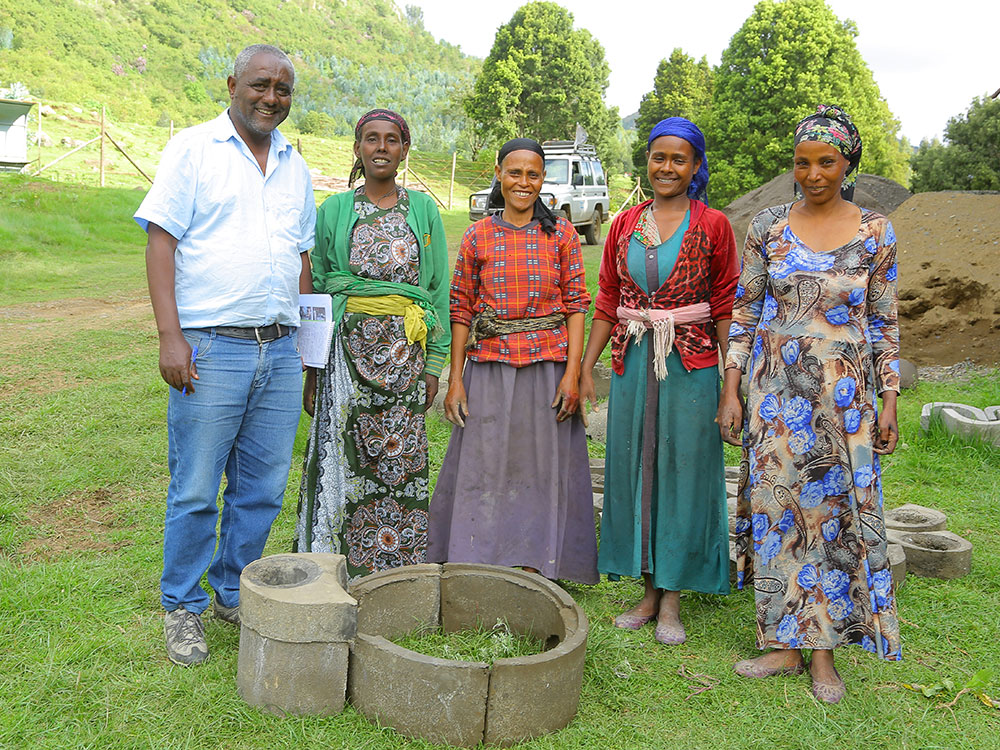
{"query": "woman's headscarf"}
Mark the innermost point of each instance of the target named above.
(684, 128)
(832, 125)
(376, 114)
(541, 212)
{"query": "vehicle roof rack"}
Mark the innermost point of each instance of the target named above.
(568, 147)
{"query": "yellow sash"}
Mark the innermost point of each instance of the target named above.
(394, 304)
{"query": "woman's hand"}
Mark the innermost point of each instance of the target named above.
(309, 392)
(588, 394)
(456, 405)
(729, 417)
(432, 390)
(567, 395)
(888, 429)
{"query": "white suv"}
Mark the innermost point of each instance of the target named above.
(575, 188)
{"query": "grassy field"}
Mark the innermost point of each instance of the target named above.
(331, 157)
(82, 480)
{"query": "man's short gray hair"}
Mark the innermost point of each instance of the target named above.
(243, 59)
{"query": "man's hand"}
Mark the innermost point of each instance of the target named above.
(176, 367)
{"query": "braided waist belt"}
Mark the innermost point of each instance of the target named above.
(662, 322)
(487, 324)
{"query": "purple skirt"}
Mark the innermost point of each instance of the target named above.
(515, 486)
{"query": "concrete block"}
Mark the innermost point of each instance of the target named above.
(295, 623)
(934, 554)
(733, 474)
(533, 695)
(381, 596)
(897, 563)
(291, 678)
(441, 700)
(597, 467)
(597, 423)
(912, 517)
(966, 421)
(298, 598)
(597, 483)
(474, 595)
(598, 508)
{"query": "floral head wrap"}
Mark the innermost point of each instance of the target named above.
(831, 125)
(684, 128)
(377, 114)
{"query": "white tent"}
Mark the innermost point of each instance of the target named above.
(14, 134)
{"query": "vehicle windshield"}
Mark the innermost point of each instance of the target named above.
(557, 171)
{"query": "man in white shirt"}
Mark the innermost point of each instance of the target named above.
(231, 219)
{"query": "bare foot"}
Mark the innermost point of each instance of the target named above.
(821, 667)
(777, 662)
(669, 612)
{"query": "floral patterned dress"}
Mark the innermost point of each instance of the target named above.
(364, 486)
(818, 332)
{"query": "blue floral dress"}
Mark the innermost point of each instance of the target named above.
(817, 333)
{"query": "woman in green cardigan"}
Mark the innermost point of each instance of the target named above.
(381, 253)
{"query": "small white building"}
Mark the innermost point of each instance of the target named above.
(14, 134)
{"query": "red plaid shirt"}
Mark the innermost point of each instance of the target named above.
(520, 273)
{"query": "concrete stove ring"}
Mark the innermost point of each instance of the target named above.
(296, 624)
(934, 554)
(463, 703)
(911, 517)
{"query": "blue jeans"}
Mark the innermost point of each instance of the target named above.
(241, 419)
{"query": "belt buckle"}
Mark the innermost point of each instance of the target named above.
(256, 333)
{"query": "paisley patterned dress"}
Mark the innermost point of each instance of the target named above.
(817, 333)
(364, 487)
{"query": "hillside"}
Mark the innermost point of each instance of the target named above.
(152, 61)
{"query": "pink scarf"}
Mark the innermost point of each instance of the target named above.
(662, 322)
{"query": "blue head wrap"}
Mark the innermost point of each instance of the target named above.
(684, 128)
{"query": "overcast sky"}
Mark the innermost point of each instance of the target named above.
(929, 59)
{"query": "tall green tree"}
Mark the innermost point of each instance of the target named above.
(541, 78)
(789, 56)
(970, 160)
(682, 87)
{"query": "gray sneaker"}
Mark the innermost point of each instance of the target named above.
(185, 637)
(229, 615)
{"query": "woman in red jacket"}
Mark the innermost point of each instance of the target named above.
(669, 270)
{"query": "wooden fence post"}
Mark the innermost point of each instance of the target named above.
(451, 187)
(406, 169)
(38, 136)
(102, 145)
(171, 128)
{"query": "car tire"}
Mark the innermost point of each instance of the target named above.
(592, 232)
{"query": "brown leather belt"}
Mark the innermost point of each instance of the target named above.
(261, 335)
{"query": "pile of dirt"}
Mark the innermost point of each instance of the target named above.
(949, 277)
(877, 193)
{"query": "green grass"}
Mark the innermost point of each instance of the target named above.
(484, 643)
(82, 481)
(332, 157)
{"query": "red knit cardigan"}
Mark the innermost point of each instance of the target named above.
(706, 270)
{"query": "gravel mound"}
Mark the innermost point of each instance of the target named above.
(949, 277)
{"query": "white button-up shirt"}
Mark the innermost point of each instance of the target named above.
(240, 231)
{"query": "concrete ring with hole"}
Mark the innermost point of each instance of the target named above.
(464, 703)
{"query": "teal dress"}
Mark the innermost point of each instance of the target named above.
(665, 496)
